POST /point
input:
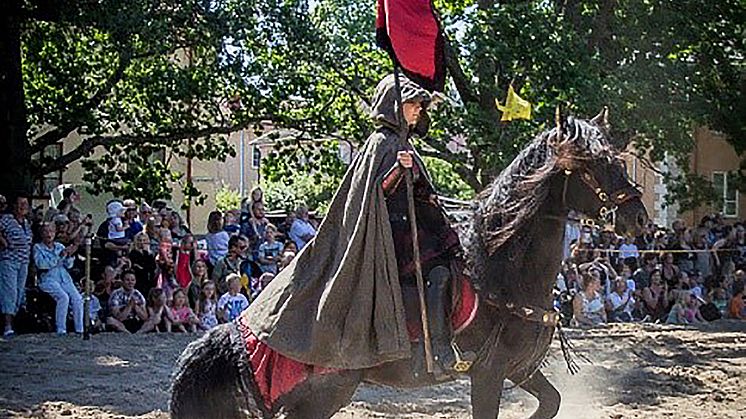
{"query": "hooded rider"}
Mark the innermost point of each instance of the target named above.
(344, 300)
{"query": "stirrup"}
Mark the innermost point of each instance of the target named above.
(464, 360)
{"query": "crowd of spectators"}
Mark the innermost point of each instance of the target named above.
(149, 272)
(682, 275)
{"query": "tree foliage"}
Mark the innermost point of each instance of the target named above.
(138, 77)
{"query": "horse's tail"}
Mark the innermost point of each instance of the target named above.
(210, 379)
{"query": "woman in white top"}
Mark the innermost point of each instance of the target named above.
(588, 304)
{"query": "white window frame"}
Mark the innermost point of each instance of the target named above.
(254, 151)
(724, 201)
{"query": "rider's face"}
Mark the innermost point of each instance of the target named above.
(412, 112)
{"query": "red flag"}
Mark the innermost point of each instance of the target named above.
(410, 32)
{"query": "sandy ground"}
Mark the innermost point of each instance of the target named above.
(636, 372)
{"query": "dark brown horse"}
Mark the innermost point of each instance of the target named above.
(514, 250)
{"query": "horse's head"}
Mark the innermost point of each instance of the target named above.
(595, 177)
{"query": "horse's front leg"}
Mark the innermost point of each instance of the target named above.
(486, 391)
(544, 391)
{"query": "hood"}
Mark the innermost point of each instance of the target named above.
(384, 109)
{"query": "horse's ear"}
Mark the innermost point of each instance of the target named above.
(602, 119)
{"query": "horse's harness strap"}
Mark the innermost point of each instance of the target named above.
(547, 318)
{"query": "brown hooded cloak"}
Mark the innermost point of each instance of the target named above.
(339, 303)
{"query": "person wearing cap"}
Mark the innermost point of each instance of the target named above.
(357, 273)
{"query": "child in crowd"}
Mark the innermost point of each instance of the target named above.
(232, 303)
(677, 315)
(115, 211)
(737, 307)
(184, 319)
(692, 312)
(269, 251)
(258, 284)
(719, 298)
(230, 223)
(207, 306)
(199, 278)
(159, 316)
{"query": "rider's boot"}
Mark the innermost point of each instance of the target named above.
(440, 325)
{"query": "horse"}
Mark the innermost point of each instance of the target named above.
(513, 251)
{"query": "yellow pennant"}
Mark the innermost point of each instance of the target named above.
(515, 107)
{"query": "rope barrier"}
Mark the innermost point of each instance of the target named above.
(653, 251)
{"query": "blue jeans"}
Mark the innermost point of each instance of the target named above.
(12, 285)
(66, 295)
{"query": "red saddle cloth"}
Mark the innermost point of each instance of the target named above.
(276, 375)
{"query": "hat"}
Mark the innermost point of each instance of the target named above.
(114, 209)
(61, 218)
(130, 203)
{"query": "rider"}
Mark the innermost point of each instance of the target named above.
(339, 303)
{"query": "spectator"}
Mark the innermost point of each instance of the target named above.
(151, 229)
(127, 306)
(655, 297)
(692, 311)
(143, 263)
(184, 319)
(145, 213)
(52, 260)
(179, 229)
(130, 219)
(702, 258)
(231, 223)
(669, 270)
(677, 315)
(260, 283)
(199, 277)
(285, 226)
(232, 303)
(736, 306)
(642, 275)
(588, 304)
(207, 307)
(620, 303)
(287, 258)
(159, 315)
(110, 249)
(302, 230)
(259, 225)
(719, 298)
(628, 251)
(116, 223)
(217, 238)
(15, 252)
(3, 204)
(725, 252)
(185, 256)
(230, 263)
(269, 251)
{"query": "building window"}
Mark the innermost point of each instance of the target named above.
(726, 193)
(256, 158)
(45, 184)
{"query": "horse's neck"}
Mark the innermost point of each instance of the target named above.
(531, 258)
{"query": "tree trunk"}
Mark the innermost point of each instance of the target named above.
(15, 158)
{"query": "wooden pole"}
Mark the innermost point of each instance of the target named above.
(87, 289)
(403, 130)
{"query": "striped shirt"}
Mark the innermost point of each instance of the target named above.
(18, 237)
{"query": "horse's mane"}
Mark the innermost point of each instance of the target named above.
(514, 197)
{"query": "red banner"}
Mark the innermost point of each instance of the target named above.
(410, 32)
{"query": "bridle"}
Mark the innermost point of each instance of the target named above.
(610, 202)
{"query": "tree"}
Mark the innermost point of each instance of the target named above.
(139, 81)
(133, 77)
(662, 67)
